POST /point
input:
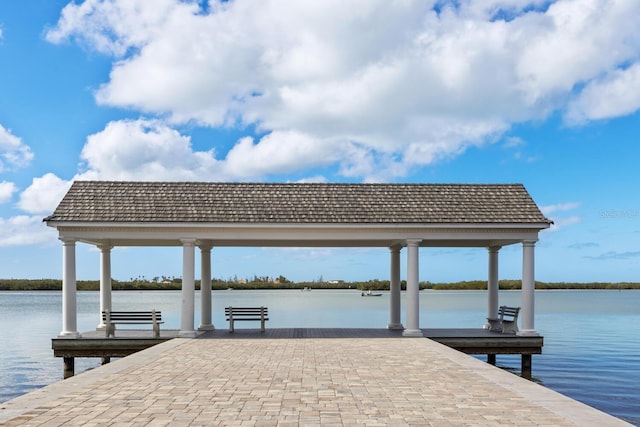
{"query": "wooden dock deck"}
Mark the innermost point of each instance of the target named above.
(129, 341)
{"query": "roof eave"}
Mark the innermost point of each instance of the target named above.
(225, 225)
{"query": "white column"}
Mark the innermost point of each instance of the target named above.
(205, 288)
(69, 308)
(528, 289)
(188, 288)
(413, 290)
(394, 289)
(105, 281)
(492, 284)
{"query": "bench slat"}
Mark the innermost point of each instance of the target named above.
(111, 318)
(257, 314)
(506, 322)
(508, 319)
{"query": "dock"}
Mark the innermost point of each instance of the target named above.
(469, 341)
(96, 344)
(248, 379)
(482, 341)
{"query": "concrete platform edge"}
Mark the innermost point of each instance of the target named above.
(28, 402)
(558, 403)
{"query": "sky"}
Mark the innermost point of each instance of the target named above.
(539, 92)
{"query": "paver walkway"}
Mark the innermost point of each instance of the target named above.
(313, 381)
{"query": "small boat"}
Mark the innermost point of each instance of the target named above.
(370, 294)
(306, 288)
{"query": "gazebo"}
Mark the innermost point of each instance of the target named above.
(109, 214)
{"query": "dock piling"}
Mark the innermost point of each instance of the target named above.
(526, 365)
(68, 367)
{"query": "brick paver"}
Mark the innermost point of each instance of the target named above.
(290, 382)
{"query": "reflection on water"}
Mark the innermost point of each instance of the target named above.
(591, 340)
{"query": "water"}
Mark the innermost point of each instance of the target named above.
(591, 338)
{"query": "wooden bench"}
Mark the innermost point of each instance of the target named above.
(111, 318)
(237, 314)
(507, 321)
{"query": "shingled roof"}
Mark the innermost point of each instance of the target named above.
(309, 203)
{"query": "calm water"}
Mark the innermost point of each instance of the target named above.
(591, 351)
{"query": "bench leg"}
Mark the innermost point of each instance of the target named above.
(110, 330)
(156, 330)
(262, 325)
(509, 327)
(231, 326)
(491, 359)
(495, 325)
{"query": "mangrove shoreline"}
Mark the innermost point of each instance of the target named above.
(282, 283)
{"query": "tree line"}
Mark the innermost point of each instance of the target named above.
(282, 282)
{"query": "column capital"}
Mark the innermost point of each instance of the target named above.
(529, 243)
(68, 240)
(395, 248)
(188, 241)
(205, 245)
(413, 242)
(104, 246)
(494, 248)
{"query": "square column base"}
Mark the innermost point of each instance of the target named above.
(417, 333)
(68, 334)
(528, 333)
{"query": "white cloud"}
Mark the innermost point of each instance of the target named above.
(615, 255)
(305, 253)
(312, 179)
(573, 43)
(112, 27)
(617, 94)
(517, 146)
(24, 230)
(560, 207)
(514, 142)
(398, 84)
(149, 150)
(43, 195)
(6, 191)
(145, 150)
(561, 222)
(152, 151)
(13, 153)
(278, 152)
(584, 245)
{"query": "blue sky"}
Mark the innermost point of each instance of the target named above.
(545, 93)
